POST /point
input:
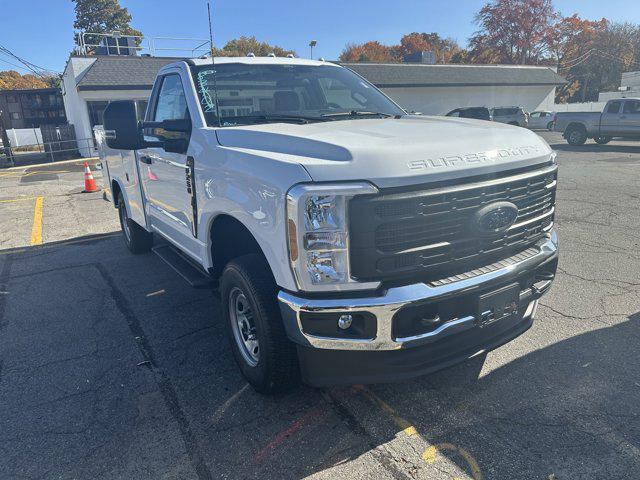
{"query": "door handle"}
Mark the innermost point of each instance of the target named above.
(146, 159)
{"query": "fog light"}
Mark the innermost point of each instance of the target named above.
(345, 321)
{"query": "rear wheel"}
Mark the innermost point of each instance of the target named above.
(136, 238)
(550, 126)
(602, 140)
(266, 357)
(576, 135)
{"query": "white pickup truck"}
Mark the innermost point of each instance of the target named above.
(349, 241)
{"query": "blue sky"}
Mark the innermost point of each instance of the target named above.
(41, 31)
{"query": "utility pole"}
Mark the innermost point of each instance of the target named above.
(312, 44)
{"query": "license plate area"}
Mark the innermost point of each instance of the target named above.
(498, 305)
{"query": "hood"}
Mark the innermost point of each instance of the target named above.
(392, 152)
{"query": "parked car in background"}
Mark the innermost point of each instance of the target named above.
(620, 118)
(541, 119)
(510, 115)
(481, 113)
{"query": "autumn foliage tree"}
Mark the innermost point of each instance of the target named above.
(369, 52)
(12, 80)
(240, 47)
(443, 48)
(513, 31)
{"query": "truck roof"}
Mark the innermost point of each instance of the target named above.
(260, 61)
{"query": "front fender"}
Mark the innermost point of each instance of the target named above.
(251, 189)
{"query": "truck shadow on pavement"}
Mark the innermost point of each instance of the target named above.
(111, 366)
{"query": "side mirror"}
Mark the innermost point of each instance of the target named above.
(121, 130)
(176, 145)
(174, 134)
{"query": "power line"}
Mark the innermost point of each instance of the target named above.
(36, 69)
(594, 51)
(12, 64)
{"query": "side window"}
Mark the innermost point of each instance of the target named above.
(171, 104)
(632, 107)
(537, 114)
(614, 107)
(455, 113)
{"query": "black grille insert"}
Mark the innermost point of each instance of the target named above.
(426, 233)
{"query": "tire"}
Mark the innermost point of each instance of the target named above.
(550, 126)
(136, 238)
(602, 140)
(575, 135)
(264, 354)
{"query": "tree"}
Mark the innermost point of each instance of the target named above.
(592, 55)
(370, 52)
(443, 48)
(12, 80)
(513, 31)
(240, 47)
(102, 16)
(572, 44)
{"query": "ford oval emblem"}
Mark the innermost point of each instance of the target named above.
(494, 218)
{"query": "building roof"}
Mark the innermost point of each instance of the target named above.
(138, 73)
(122, 72)
(397, 75)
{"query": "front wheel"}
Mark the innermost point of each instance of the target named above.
(576, 136)
(136, 238)
(602, 140)
(266, 357)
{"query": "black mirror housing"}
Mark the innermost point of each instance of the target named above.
(121, 129)
(176, 145)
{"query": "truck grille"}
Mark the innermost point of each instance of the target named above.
(427, 233)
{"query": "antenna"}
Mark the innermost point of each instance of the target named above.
(213, 63)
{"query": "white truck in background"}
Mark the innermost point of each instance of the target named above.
(350, 242)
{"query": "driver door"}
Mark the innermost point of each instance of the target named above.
(164, 174)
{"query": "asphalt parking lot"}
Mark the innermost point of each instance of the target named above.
(111, 366)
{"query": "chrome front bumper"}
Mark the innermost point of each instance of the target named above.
(385, 306)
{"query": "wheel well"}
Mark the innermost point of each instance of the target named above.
(230, 239)
(115, 191)
(577, 126)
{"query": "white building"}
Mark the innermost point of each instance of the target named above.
(438, 89)
(629, 88)
(90, 82)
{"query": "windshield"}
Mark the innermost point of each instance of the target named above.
(260, 93)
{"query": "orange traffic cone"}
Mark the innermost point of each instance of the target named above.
(89, 182)
(150, 174)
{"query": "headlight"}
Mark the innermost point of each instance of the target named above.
(318, 235)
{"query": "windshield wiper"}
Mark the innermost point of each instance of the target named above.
(356, 113)
(235, 119)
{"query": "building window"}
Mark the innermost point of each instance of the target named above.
(16, 115)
